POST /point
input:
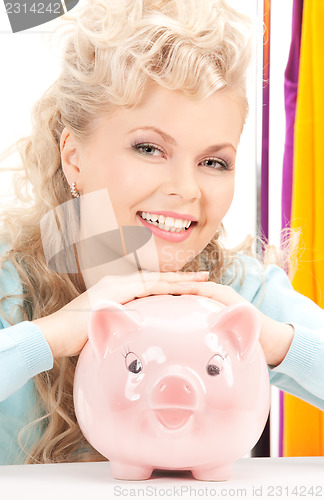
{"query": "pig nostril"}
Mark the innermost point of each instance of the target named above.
(174, 391)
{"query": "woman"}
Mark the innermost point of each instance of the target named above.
(139, 133)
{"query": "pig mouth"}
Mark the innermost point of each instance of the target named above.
(173, 418)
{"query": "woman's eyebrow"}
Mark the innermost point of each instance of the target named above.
(164, 135)
(169, 139)
(217, 147)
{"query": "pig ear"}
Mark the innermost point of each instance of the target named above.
(242, 323)
(110, 326)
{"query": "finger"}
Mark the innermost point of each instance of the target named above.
(163, 288)
(125, 288)
(221, 293)
(173, 276)
(146, 281)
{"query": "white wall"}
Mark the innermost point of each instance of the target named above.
(27, 68)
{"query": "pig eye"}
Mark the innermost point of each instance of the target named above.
(215, 365)
(133, 363)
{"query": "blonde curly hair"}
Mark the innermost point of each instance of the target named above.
(112, 48)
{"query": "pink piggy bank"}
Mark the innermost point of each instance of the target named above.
(172, 382)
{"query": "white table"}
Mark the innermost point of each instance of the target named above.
(253, 478)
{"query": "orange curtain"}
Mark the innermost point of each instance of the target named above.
(303, 425)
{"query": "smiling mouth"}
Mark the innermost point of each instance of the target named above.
(167, 223)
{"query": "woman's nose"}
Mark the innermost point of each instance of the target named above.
(183, 181)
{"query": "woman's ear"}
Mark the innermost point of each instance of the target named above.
(70, 157)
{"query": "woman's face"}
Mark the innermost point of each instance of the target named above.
(168, 165)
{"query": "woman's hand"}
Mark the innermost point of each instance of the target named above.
(66, 330)
(275, 337)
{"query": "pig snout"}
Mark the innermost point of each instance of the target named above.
(174, 391)
(173, 401)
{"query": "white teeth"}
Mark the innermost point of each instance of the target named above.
(166, 223)
(179, 223)
(171, 229)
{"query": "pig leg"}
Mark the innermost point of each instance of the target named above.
(216, 473)
(122, 470)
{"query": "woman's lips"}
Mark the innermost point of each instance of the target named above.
(167, 235)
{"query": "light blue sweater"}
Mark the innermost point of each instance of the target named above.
(24, 351)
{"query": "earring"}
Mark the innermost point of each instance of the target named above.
(74, 191)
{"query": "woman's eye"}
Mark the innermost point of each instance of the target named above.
(216, 163)
(148, 149)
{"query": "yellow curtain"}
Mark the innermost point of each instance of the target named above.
(303, 426)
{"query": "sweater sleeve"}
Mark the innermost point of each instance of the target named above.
(301, 373)
(24, 351)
